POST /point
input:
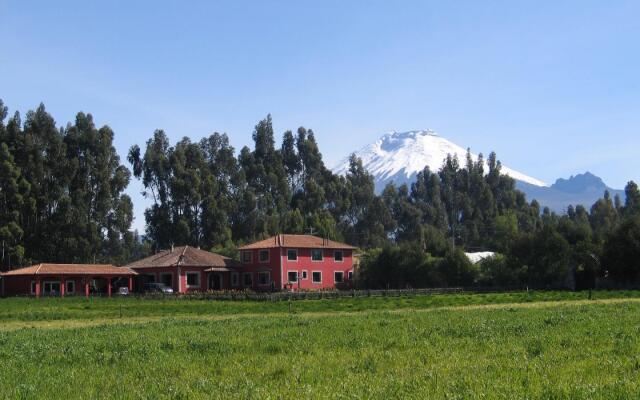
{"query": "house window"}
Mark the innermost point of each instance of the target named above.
(316, 277)
(304, 275)
(292, 276)
(292, 255)
(264, 278)
(193, 279)
(235, 279)
(70, 287)
(350, 275)
(247, 279)
(338, 256)
(263, 256)
(167, 279)
(338, 277)
(51, 288)
(247, 257)
(33, 287)
(316, 255)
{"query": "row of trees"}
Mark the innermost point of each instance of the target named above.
(204, 196)
(62, 199)
(61, 192)
(535, 248)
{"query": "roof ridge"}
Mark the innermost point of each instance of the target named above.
(38, 269)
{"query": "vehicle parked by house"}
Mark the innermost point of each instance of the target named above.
(156, 287)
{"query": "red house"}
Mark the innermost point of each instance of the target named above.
(296, 262)
(187, 269)
(66, 279)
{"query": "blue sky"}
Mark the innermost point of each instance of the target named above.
(553, 87)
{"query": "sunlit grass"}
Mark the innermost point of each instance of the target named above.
(361, 348)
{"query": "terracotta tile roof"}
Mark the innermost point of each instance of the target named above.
(299, 241)
(70, 269)
(186, 256)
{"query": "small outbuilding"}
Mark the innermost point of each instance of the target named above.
(66, 279)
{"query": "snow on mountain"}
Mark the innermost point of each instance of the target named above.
(399, 156)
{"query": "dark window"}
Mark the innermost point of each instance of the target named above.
(234, 279)
(316, 277)
(292, 276)
(350, 275)
(246, 257)
(337, 255)
(263, 278)
(338, 276)
(263, 255)
(33, 287)
(248, 279)
(304, 274)
(316, 255)
(193, 279)
(71, 286)
(292, 255)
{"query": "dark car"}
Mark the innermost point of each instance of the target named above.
(157, 288)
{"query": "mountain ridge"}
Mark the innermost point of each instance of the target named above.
(399, 156)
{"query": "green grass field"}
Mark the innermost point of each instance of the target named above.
(515, 345)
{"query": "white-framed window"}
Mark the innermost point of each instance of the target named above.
(193, 279)
(247, 279)
(263, 256)
(247, 257)
(316, 254)
(235, 279)
(338, 276)
(51, 287)
(292, 276)
(70, 287)
(316, 277)
(350, 275)
(338, 256)
(305, 275)
(264, 278)
(292, 254)
(33, 287)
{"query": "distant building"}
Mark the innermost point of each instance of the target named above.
(187, 269)
(282, 262)
(296, 262)
(66, 279)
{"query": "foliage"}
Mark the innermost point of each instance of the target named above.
(62, 199)
(62, 192)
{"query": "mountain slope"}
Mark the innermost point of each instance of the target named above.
(584, 189)
(398, 157)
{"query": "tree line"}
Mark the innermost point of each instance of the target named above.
(62, 199)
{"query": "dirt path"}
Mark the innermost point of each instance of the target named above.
(86, 323)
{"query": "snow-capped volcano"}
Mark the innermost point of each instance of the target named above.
(399, 156)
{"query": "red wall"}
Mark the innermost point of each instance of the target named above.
(278, 258)
(21, 285)
(157, 273)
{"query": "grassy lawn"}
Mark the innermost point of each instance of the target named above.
(514, 345)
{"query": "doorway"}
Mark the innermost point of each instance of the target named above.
(215, 281)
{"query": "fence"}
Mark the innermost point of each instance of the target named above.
(319, 295)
